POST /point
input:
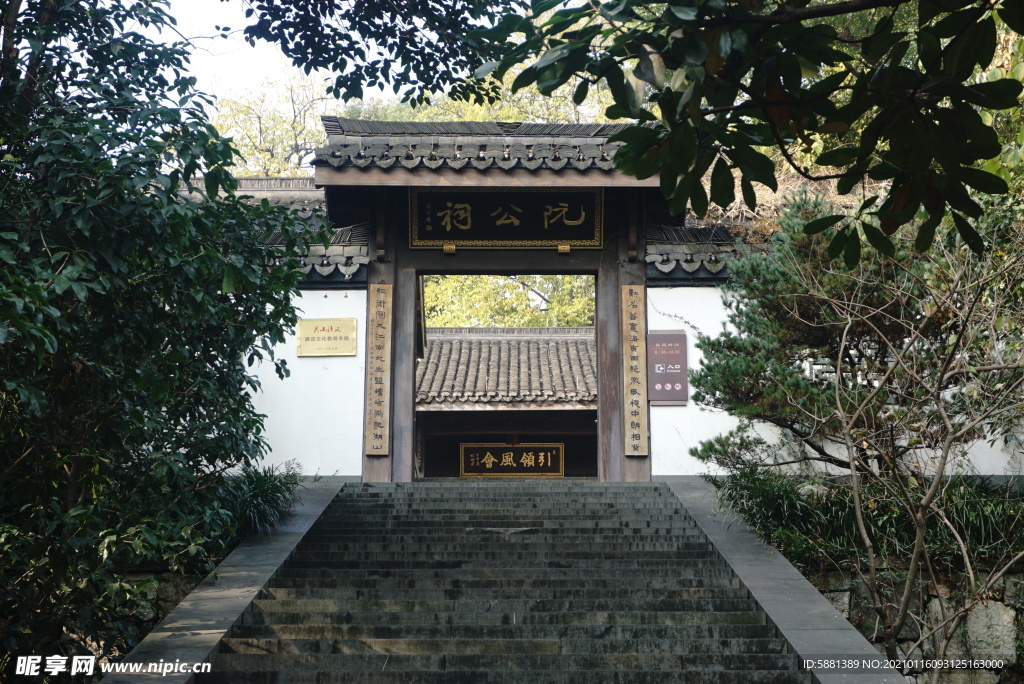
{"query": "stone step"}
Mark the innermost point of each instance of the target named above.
(715, 570)
(506, 526)
(317, 579)
(476, 582)
(624, 512)
(508, 677)
(547, 504)
(432, 534)
(522, 545)
(681, 632)
(533, 562)
(521, 606)
(507, 554)
(480, 537)
(257, 616)
(570, 526)
(652, 646)
(453, 663)
(490, 594)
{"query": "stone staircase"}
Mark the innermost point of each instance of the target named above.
(504, 581)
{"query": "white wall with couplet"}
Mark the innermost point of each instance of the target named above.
(315, 415)
(676, 429)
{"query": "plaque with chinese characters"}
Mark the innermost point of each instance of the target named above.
(327, 336)
(634, 371)
(376, 432)
(506, 460)
(513, 218)
(666, 367)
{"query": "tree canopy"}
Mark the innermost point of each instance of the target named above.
(508, 301)
(723, 91)
(417, 46)
(131, 299)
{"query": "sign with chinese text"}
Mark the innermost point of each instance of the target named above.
(327, 336)
(513, 218)
(376, 432)
(506, 460)
(634, 371)
(666, 368)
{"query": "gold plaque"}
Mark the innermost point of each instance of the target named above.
(327, 336)
(507, 460)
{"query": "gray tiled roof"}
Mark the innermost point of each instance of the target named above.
(519, 365)
(466, 144)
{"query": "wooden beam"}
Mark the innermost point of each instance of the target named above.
(502, 178)
(478, 262)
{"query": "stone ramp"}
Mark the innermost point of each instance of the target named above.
(504, 581)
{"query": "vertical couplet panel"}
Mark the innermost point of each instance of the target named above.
(377, 430)
(634, 372)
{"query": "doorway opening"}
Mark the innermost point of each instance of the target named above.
(506, 382)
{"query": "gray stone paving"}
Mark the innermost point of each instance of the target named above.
(192, 630)
(813, 627)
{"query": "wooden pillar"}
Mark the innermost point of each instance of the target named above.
(609, 368)
(403, 415)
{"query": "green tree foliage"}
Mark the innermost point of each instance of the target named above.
(130, 303)
(277, 128)
(889, 374)
(417, 46)
(887, 89)
(508, 301)
(840, 90)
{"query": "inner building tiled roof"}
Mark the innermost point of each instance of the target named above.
(467, 144)
(523, 366)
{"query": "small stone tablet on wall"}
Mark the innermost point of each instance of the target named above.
(326, 336)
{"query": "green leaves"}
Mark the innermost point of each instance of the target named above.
(969, 234)
(723, 189)
(737, 93)
(819, 224)
(878, 239)
(123, 385)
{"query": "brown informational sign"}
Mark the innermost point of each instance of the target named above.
(327, 336)
(376, 431)
(507, 460)
(634, 376)
(666, 368)
(512, 218)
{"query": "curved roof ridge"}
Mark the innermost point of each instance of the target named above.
(336, 125)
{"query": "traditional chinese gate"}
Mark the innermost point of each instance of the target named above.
(482, 198)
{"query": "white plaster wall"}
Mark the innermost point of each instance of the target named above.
(315, 415)
(998, 459)
(676, 429)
